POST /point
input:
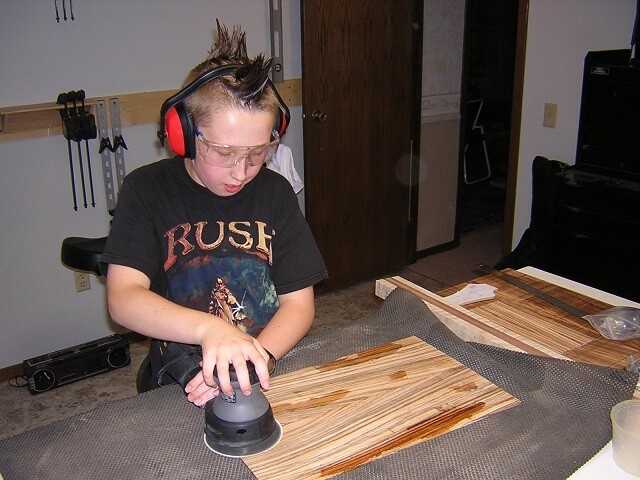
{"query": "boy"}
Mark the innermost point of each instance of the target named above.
(209, 248)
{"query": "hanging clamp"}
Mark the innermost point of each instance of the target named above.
(118, 141)
(105, 144)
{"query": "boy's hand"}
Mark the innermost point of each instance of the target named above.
(229, 345)
(198, 392)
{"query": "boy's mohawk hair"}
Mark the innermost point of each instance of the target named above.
(253, 74)
(229, 49)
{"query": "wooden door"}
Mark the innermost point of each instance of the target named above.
(361, 71)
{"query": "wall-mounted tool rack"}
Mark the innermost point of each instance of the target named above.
(43, 119)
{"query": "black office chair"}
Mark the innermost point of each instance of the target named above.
(82, 254)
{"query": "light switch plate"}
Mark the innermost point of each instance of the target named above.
(550, 113)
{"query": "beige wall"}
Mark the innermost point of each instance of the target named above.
(110, 48)
(441, 75)
(438, 180)
(560, 33)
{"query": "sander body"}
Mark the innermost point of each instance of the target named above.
(239, 425)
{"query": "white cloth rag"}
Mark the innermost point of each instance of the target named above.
(282, 163)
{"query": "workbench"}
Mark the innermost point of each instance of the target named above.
(518, 320)
(158, 434)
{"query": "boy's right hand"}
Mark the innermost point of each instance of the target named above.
(226, 346)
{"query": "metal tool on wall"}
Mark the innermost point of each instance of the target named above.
(73, 97)
(107, 147)
(77, 125)
(91, 131)
(65, 17)
(105, 154)
(275, 22)
(119, 144)
(69, 132)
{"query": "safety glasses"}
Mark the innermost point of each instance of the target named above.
(228, 156)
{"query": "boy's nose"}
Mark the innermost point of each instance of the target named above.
(239, 170)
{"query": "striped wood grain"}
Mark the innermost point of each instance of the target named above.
(338, 416)
(464, 322)
(518, 320)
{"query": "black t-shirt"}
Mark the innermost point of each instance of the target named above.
(229, 256)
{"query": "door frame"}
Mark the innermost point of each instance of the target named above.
(516, 123)
(416, 123)
(515, 127)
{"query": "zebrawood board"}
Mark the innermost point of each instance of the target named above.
(518, 320)
(349, 412)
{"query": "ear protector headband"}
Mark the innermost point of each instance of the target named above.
(176, 125)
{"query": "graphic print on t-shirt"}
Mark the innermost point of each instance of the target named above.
(229, 281)
(224, 304)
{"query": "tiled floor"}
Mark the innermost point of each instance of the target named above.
(20, 411)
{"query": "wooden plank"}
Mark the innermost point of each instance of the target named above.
(519, 317)
(43, 119)
(465, 323)
(349, 412)
(558, 336)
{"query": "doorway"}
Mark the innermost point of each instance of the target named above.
(488, 85)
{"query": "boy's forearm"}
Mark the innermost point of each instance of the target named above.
(139, 309)
(290, 324)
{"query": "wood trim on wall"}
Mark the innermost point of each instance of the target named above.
(10, 372)
(43, 120)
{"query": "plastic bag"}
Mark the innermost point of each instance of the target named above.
(633, 363)
(617, 323)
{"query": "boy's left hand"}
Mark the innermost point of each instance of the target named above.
(198, 392)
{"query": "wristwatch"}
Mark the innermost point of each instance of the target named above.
(271, 364)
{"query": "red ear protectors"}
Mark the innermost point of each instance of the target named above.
(176, 125)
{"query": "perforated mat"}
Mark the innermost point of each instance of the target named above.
(563, 419)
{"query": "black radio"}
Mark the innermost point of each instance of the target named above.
(55, 369)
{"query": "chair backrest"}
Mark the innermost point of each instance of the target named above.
(474, 108)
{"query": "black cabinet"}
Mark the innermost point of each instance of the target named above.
(595, 226)
(595, 231)
(609, 125)
(585, 218)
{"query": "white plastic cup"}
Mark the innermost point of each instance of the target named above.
(625, 419)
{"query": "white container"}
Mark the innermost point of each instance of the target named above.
(625, 419)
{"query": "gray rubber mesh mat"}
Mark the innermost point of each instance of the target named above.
(563, 419)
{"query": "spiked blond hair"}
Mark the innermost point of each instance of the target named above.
(247, 87)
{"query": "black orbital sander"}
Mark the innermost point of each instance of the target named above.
(239, 425)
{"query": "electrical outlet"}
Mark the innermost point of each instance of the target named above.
(82, 281)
